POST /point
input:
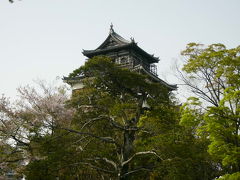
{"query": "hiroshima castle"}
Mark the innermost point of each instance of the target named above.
(127, 54)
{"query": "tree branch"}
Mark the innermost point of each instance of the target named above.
(140, 153)
(106, 160)
(105, 139)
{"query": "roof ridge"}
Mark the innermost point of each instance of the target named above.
(118, 37)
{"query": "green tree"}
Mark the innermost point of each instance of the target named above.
(184, 155)
(109, 109)
(213, 74)
(146, 143)
(105, 130)
(102, 131)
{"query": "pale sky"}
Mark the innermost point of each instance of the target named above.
(43, 39)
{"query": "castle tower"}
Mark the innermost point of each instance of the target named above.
(127, 54)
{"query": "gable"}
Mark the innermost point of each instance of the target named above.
(113, 39)
(110, 42)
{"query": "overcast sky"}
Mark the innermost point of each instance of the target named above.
(43, 39)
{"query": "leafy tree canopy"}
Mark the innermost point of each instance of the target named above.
(213, 75)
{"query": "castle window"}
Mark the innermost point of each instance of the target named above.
(124, 60)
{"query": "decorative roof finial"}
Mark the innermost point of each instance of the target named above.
(132, 40)
(111, 28)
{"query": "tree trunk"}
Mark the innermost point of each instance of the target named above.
(129, 137)
(127, 152)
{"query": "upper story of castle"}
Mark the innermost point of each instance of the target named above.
(124, 52)
(127, 54)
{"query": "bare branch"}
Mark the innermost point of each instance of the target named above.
(20, 141)
(105, 139)
(93, 167)
(141, 153)
(106, 160)
(93, 120)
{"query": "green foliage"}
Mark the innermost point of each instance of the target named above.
(39, 170)
(110, 125)
(114, 92)
(191, 113)
(217, 69)
(234, 176)
(105, 132)
(59, 156)
(175, 138)
(116, 95)
(117, 80)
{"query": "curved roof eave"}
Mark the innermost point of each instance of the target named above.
(132, 44)
(122, 43)
(170, 86)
